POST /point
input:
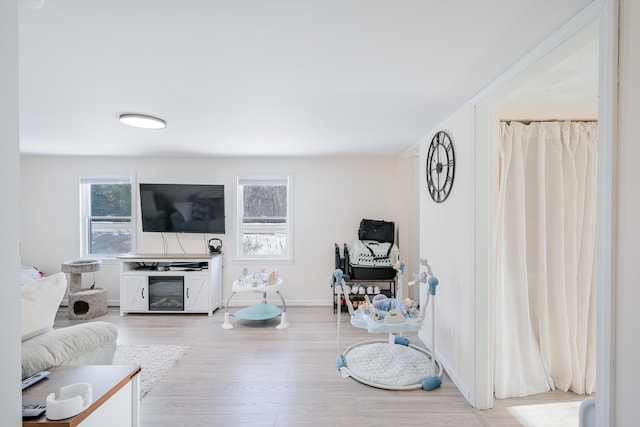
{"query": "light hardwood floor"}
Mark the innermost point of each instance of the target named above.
(257, 375)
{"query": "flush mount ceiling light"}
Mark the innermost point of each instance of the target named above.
(142, 121)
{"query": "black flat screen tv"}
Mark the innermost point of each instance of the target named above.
(182, 208)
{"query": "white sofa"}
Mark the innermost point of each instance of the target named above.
(91, 343)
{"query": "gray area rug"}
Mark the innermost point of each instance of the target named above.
(155, 360)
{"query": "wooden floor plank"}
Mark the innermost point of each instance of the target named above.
(257, 375)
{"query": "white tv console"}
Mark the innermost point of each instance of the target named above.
(170, 283)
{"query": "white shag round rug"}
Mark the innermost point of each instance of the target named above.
(389, 365)
(155, 360)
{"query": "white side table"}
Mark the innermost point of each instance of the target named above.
(116, 395)
(261, 311)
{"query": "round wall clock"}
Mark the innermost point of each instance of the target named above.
(441, 166)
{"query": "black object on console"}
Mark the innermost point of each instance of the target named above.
(215, 246)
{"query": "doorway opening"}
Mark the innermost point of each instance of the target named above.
(596, 24)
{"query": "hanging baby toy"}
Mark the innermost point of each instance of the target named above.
(433, 381)
(390, 310)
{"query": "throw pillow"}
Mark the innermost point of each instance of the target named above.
(29, 274)
(40, 302)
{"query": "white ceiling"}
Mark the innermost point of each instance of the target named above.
(268, 78)
(567, 77)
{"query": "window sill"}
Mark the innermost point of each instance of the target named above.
(106, 260)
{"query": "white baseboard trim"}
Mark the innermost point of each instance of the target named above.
(290, 303)
(245, 303)
(110, 303)
(451, 372)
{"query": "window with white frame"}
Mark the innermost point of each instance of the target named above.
(264, 218)
(106, 205)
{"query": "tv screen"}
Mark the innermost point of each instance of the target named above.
(182, 208)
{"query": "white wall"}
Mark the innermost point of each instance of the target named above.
(331, 196)
(627, 244)
(10, 370)
(451, 234)
(626, 287)
(446, 241)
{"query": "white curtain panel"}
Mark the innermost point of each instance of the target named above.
(545, 259)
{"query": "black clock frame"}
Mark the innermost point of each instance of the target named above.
(440, 167)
